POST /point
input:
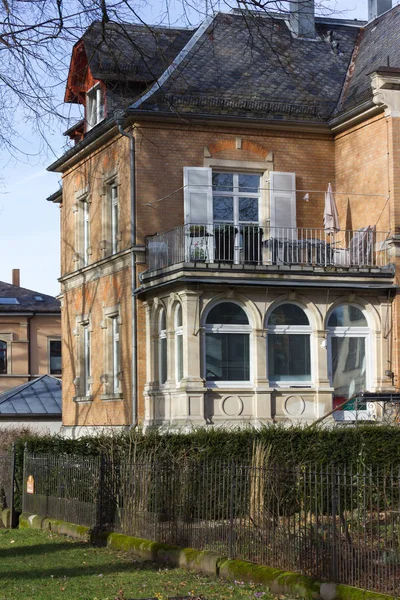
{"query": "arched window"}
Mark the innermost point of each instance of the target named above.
(179, 343)
(289, 334)
(227, 343)
(162, 347)
(3, 358)
(348, 334)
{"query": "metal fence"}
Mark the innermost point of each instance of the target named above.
(335, 524)
(253, 245)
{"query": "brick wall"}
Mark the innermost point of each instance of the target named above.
(363, 167)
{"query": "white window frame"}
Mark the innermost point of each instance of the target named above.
(246, 329)
(95, 106)
(114, 217)
(178, 337)
(116, 354)
(235, 194)
(291, 330)
(85, 232)
(86, 386)
(355, 332)
(162, 335)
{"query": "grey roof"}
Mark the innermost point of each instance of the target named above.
(252, 66)
(27, 301)
(136, 52)
(40, 397)
(378, 46)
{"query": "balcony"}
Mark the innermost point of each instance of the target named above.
(269, 247)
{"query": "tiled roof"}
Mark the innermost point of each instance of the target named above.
(254, 67)
(378, 46)
(27, 300)
(135, 52)
(41, 396)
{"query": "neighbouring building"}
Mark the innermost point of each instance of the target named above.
(30, 334)
(36, 403)
(206, 279)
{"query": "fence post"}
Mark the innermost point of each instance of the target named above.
(232, 510)
(12, 489)
(100, 507)
(334, 515)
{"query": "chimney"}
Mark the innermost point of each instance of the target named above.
(15, 277)
(302, 18)
(377, 7)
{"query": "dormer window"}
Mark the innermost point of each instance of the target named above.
(94, 106)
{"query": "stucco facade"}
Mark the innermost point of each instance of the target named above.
(30, 335)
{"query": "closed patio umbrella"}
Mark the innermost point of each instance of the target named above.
(331, 219)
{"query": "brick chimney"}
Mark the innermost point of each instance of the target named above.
(302, 18)
(377, 7)
(15, 277)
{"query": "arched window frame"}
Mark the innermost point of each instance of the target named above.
(215, 328)
(4, 348)
(162, 347)
(350, 331)
(291, 330)
(178, 342)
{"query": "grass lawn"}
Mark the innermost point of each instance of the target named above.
(43, 566)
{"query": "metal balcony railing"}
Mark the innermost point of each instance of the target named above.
(255, 245)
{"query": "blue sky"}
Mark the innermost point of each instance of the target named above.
(29, 224)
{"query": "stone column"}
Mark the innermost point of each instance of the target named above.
(262, 390)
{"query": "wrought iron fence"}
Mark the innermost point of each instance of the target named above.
(335, 524)
(252, 244)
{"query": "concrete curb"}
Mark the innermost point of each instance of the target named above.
(209, 563)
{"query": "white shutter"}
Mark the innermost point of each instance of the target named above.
(197, 183)
(283, 199)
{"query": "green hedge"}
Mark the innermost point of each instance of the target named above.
(366, 444)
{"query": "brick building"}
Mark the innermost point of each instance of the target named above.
(204, 278)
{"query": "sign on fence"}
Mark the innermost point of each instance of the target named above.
(30, 485)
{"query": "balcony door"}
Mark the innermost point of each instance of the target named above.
(236, 206)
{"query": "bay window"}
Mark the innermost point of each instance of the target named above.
(227, 343)
(289, 334)
(179, 343)
(349, 341)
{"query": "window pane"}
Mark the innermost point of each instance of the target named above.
(248, 209)
(249, 183)
(289, 357)
(3, 357)
(179, 357)
(288, 314)
(223, 208)
(55, 357)
(222, 182)
(348, 366)
(163, 321)
(227, 357)
(179, 316)
(227, 313)
(347, 316)
(163, 360)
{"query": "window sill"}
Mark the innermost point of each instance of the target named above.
(83, 399)
(111, 397)
(235, 385)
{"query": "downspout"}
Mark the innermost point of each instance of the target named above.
(119, 119)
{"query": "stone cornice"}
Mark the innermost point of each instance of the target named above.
(386, 91)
